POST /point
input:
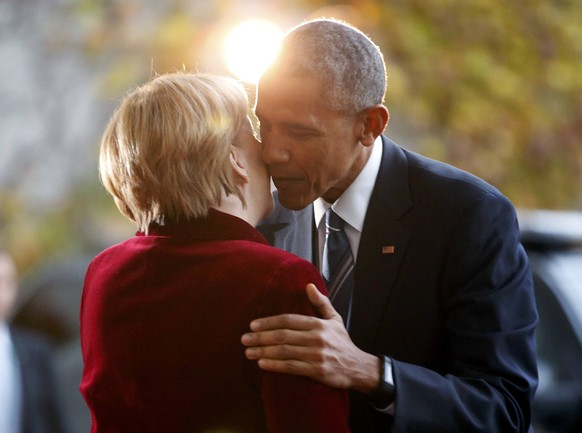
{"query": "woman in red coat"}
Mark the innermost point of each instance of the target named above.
(163, 312)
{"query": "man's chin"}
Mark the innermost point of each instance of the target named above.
(293, 202)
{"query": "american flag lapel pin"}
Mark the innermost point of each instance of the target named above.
(388, 249)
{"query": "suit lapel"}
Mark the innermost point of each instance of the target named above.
(382, 245)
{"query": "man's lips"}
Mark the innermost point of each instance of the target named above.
(284, 181)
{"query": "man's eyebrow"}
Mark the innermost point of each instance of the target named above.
(300, 126)
(296, 126)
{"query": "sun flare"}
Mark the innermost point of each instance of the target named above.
(250, 47)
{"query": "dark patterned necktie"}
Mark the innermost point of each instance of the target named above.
(338, 265)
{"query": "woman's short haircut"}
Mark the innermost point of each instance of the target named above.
(350, 65)
(165, 154)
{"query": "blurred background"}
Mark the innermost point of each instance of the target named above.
(491, 86)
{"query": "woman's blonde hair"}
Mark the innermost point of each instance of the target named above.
(165, 154)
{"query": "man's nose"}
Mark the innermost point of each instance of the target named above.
(275, 151)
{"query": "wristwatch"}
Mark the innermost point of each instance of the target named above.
(383, 396)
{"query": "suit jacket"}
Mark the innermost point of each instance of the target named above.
(161, 321)
(41, 403)
(453, 305)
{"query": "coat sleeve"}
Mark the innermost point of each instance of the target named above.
(294, 403)
(490, 315)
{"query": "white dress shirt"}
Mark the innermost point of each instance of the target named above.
(352, 207)
(352, 204)
(10, 384)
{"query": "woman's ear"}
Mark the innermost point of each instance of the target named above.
(375, 119)
(238, 166)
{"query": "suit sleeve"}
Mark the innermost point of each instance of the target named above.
(490, 316)
(294, 403)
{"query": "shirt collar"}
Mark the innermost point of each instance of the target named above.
(353, 203)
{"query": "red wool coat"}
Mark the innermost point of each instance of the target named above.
(161, 320)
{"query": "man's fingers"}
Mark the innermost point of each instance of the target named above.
(283, 353)
(266, 338)
(322, 303)
(281, 337)
(284, 321)
(299, 322)
(295, 367)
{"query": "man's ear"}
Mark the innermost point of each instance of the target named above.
(238, 166)
(375, 119)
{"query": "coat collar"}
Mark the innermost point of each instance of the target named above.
(215, 226)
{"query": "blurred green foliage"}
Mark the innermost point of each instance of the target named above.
(491, 86)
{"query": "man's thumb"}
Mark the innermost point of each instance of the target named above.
(321, 302)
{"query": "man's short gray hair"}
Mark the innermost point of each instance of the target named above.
(350, 65)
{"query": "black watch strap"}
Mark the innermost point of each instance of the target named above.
(384, 394)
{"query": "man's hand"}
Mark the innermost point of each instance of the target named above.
(308, 346)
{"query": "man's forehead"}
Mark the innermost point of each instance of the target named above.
(300, 89)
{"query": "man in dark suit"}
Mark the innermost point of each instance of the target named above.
(29, 400)
(441, 315)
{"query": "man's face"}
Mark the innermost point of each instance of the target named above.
(311, 150)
